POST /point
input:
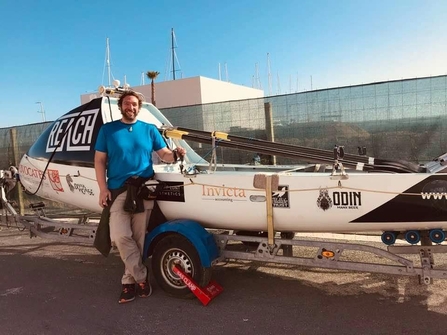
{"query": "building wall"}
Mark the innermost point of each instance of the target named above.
(181, 92)
(401, 119)
(213, 90)
(190, 91)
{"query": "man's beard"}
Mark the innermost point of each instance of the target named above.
(129, 117)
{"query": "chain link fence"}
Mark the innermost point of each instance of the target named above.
(402, 119)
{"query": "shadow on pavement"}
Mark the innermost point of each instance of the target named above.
(76, 293)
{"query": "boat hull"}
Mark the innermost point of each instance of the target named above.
(310, 202)
(302, 202)
(59, 166)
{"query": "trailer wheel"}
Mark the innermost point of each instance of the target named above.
(389, 237)
(177, 250)
(412, 236)
(437, 236)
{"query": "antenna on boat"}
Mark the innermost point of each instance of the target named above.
(107, 64)
(113, 88)
(226, 73)
(117, 89)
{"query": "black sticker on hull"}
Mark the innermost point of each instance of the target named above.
(424, 201)
(280, 198)
(70, 140)
(172, 191)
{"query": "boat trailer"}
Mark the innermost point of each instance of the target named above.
(271, 247)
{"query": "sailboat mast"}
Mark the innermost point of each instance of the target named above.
(269, 74)
(278, 82)
(173, 53)
(108, 61)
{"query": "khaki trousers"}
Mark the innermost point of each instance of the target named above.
(127, 232)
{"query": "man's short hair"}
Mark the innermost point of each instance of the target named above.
(130, 93)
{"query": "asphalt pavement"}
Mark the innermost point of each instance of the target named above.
(59, 288)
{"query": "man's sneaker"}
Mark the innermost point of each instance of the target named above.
(144, 289)
(127, 294)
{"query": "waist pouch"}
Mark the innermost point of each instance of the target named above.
(150, 189)
(139, 189)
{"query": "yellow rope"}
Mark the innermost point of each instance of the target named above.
(192, 183)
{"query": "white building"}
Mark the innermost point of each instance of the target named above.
(190, 91)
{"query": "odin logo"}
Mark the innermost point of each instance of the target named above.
(347, 199)
(72, 132)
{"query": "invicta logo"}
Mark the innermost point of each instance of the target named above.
(223, 193)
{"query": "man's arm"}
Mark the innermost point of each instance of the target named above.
(100, 171)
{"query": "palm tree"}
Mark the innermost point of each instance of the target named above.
(152, 75)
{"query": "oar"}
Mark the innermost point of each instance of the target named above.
(203, 137)
(407, 166)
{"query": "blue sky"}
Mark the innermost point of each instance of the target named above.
(54, 51)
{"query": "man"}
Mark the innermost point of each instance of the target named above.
(124, 148)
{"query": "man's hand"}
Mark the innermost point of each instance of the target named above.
(171, 156)
(104, 197)
(180, 152)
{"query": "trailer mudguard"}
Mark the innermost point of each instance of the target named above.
(201, 239)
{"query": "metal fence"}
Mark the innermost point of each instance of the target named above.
(402, 119)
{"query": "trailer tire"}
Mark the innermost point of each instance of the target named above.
(177, 250)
